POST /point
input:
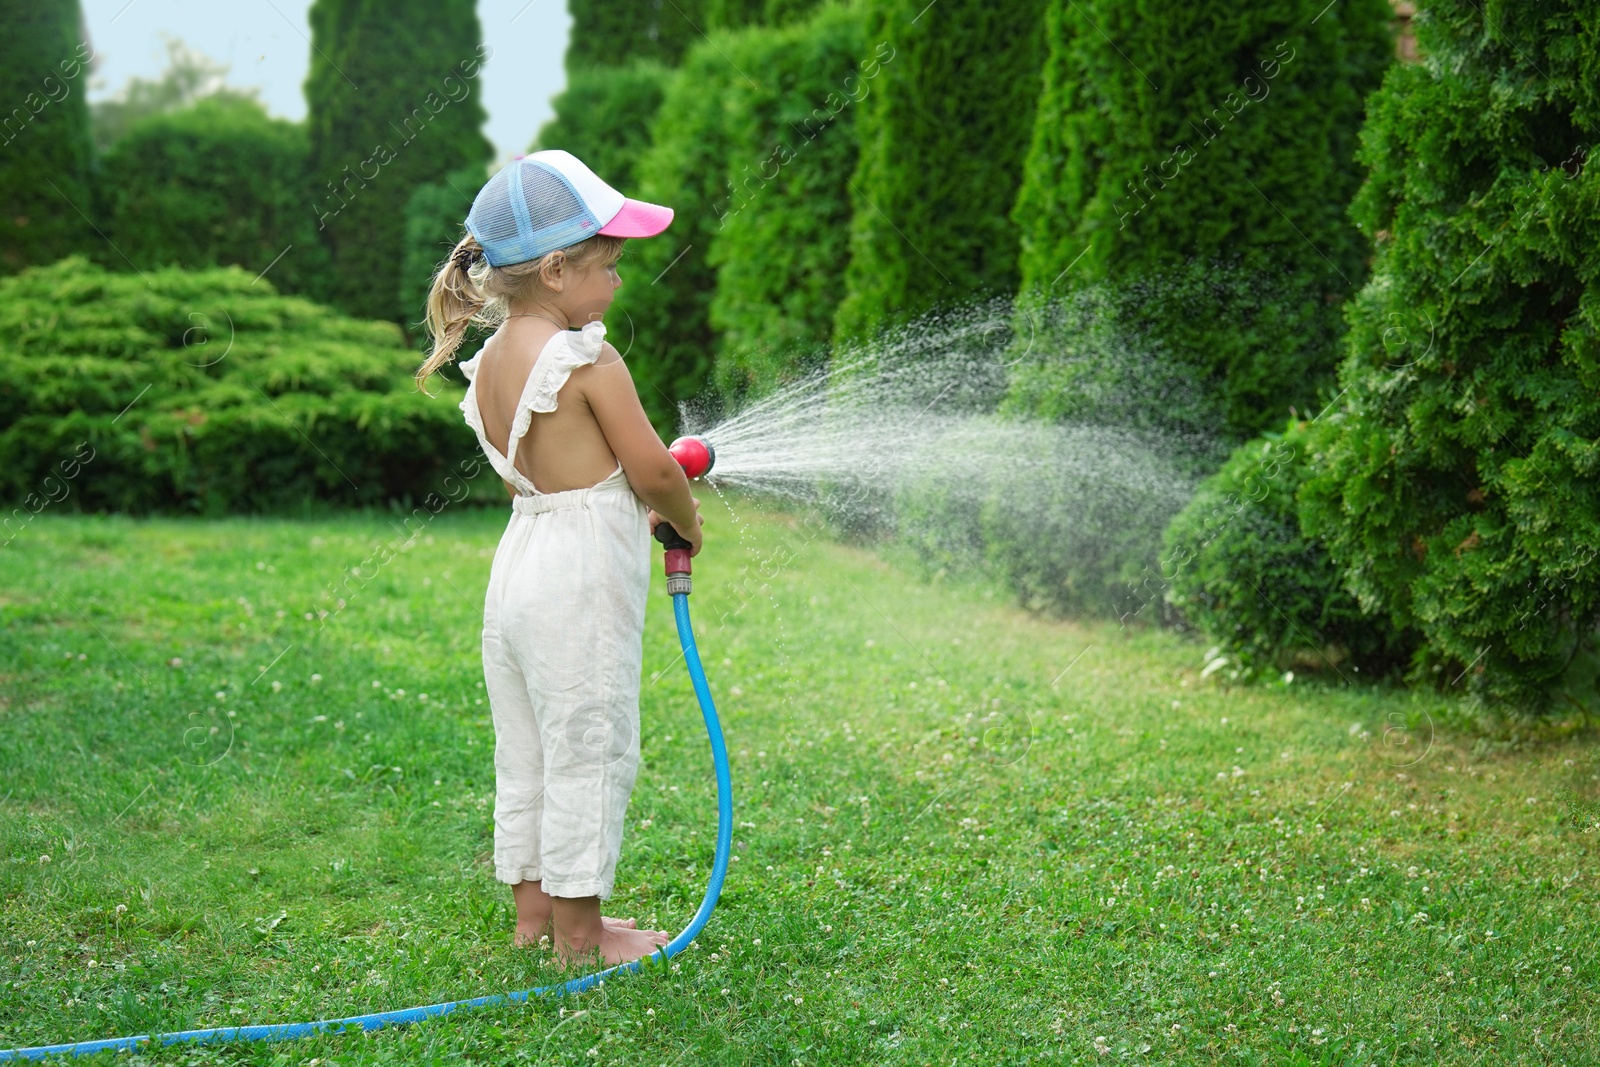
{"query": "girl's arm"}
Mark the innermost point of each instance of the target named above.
(655, 476)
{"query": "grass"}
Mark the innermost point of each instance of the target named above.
(964, 834)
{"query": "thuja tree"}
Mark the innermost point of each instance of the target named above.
(604, 31)
(942, 135)
(392, 104)
(1183, 210)
(1456, 482)
(214, 183)
(731, 14)
(45, 145)
(783, 221)
(1183, 249)
(659, 319)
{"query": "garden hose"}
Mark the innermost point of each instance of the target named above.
(677, 559)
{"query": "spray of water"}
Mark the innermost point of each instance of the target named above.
(911, 438)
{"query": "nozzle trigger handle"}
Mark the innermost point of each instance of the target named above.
(669, 537)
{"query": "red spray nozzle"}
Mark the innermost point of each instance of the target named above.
(694, 454)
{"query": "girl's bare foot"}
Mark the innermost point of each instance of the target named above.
(535, 933)
(535, 909)
(618, 944)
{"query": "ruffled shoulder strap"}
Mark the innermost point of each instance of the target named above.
(470, 367)
(555, 366)
(558, 364)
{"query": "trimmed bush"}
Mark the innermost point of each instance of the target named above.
(782, 235)
(46, 165)
(1191, 164)
(1456, 483)
(1236, 567)
(392, 100)
(943, 135)
(216, 183)
(206, 392)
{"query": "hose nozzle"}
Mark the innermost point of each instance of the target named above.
(694, 454)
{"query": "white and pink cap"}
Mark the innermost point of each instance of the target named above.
(548, 200)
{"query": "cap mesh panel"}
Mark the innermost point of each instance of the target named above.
(556, 217)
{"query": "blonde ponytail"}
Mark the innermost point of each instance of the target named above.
(454, 301)
(467, 291)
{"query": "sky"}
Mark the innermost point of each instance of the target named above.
(266, 44)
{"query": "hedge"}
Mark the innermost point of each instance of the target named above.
(216, 183)
(1236, 566)
(781, 237)
(943, 135)
(206, 392)
(1189, 170)
(392, 103)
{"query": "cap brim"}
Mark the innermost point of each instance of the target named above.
(637, 219)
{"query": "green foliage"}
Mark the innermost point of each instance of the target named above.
(205, 391)
(659, 321)
(781, 239)
(1237, 567)
(217, 183)
(733, 14)
(1456, 484)
(753, 168)
(658, 30)
(943, 136)
(190, 76)
(393, 104)
(1194, 160)
(435, 222)
(1161, 294)
(603, 117)
(46, 157)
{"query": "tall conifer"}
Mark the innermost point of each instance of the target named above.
(46, 152)
(393, 103)
(943, 136)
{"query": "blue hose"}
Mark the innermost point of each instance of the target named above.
(378, 1020)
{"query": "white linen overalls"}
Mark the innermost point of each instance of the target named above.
(563, 628)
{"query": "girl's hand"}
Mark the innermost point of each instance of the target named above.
(694, 537)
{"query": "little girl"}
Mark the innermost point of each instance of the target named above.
(556, 414)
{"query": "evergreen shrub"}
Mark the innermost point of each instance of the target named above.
(942, 139)
(392, 103)
(46, 148)
(659, 319)
(436, 218)
(1236, 566)
(1456, 482)
(781, 238)
(216, 183)
(603, 117)
(207, 392)
(1183, 248)
(1192, 163)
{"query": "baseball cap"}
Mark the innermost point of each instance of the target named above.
(548, 200)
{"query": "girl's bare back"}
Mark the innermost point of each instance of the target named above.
(562, 449)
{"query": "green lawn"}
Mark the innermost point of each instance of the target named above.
(964, 834)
